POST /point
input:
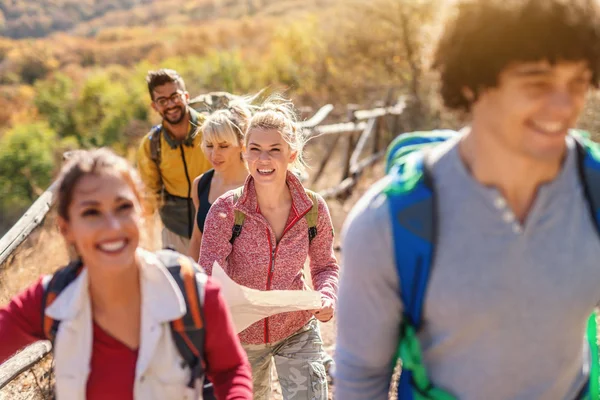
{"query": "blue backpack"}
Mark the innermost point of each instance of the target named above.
(412, 201)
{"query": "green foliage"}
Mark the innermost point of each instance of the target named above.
(54, 100)
(90, 89)
(108, 102)
(26, 163)
(32, 61)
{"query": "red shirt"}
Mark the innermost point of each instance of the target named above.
(112, 369)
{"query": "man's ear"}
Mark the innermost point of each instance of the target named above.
(154, 107)
(186, 97)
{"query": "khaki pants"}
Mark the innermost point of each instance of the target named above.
(300, 363)
(179, 243)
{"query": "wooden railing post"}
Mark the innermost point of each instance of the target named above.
(33, 217)
(23, 361)
(326, 158)
(350, 142)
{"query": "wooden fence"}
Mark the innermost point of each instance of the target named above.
(377, 126)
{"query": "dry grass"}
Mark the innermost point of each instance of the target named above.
(35, 384)
(42, 253)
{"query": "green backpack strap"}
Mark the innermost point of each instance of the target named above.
(592, 339)
(312, 217)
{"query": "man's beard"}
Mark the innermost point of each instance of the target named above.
(174, 121)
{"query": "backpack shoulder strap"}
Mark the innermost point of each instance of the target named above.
(188, 331)
(589, 171)
(155, 135)
(412, 205)
(53, 287)
(239, 217)
(588, 159)
(411, 202)
(204, 182)
(407, 143)
(312, 217)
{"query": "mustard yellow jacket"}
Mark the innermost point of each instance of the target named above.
(173, 161)
(180, 163)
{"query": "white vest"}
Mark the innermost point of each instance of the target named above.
(160, 371)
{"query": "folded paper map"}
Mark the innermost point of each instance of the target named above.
(248, 306)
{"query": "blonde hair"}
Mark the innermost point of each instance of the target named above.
(279, 113)
(227, 125)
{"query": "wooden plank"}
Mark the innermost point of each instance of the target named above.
(32, 218)
(326, 159)
(337, 191)
(362, 141)
(367, 162)
(317, 118)
(334, 129)
(23, 361)
(352, 127)
(397, 109)
(342, 190)
(379, 129)
(349, 150)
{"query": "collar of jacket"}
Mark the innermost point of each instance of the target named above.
(161, 296)
(192, 133)
(248, 203)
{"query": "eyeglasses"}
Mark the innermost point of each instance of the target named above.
(176, 98)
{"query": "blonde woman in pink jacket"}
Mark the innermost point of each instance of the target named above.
(281, 226)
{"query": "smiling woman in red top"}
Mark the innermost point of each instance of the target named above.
(114, 340)
(271, 249)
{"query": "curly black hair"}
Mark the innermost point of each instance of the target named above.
(486, 36)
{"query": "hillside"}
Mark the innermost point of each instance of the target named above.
(22, 18)
(84, 87)
(28, 19)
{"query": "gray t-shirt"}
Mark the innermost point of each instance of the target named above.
(506, 305)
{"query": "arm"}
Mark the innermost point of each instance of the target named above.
(149, 172)
(228, 366)
(194, 249)
(217, 233)
(21, 321)
(369, 312)
(324, 268)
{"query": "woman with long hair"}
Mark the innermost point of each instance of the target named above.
(262, 235)
(125, 323)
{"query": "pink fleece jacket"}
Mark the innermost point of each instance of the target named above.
(257, 261)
